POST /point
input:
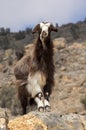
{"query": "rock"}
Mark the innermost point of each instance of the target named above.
(70, 78)
(48, 121)
(59, 43)
(74, 121)
(1, 67)
(2, 124)
(38, 121)
(8, 53)
(4, 117)
(83, 120)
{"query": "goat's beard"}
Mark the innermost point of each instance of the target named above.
(43, 42)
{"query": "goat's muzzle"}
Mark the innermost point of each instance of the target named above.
(44, 34)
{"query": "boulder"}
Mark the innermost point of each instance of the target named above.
(59, 43)
(38, 121)
(48, 121)
(4, 117)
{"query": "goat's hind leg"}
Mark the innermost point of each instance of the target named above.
(23, 98)
(39, 99)
(24, 103)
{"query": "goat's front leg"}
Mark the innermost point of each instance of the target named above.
(39, 101)
(46, 101)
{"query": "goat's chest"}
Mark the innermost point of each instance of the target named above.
(36, 82)
(38, 78)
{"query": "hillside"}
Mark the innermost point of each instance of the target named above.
(69, 92)
(71, 32)
(70, 77)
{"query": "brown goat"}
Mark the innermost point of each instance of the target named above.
(35, 73)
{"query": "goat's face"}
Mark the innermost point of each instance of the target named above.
(44, 30)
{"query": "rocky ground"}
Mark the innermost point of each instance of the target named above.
(68, 92)
(43, 121)
(70, 78)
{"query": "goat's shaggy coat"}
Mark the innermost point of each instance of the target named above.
(35, 73)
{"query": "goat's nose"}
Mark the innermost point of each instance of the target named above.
(44, 34)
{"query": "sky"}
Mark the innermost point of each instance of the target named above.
(20, 14)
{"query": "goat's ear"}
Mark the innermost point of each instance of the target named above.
(36, 29)
(53, 28)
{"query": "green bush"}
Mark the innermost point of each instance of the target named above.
(20, 35)
(6, 96)
(83, 101)
(74, 31)
(4, 43)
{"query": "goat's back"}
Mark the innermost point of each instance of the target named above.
(21, 69)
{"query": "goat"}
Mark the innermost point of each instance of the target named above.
(35, 73)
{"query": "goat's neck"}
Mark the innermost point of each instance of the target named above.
(43, 49)
(45, 43)
(42, 58)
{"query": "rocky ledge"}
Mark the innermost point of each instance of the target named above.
(42, 121)
(48, 121)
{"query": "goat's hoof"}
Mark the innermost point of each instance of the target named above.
(47, 108)
(41, 109)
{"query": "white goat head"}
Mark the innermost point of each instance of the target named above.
(44, 29)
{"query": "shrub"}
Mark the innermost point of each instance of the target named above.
(20, 35)
(28, 30)
(74, 31)
(4, 43)
(6, 96)
(83, 101)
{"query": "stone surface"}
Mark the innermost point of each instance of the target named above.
(59, 43)
(70, 79)
(4, 118)
(48, 121)
(38, 121)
